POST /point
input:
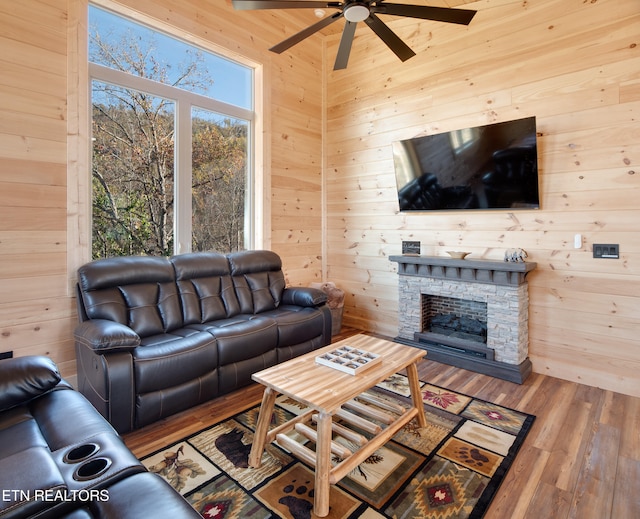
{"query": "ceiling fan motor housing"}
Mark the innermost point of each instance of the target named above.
(356, 11)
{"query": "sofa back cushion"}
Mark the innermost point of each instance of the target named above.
(137, 291)
(205, 287)
(258, 280)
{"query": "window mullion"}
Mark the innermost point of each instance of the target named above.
(183, 177)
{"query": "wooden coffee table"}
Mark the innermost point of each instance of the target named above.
(330, 393)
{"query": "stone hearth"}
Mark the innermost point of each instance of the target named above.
(502, 286)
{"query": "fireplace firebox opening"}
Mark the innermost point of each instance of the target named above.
(455, 318)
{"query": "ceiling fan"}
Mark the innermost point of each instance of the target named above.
(354, 11)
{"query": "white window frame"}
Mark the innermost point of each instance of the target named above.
(184, 102)
(79, 116)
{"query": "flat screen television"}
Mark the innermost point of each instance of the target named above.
(487, 167)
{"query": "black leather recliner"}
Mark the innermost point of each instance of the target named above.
(59, 458)
(159, 335)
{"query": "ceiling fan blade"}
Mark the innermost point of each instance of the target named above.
(439, 14)
(305, 33)
(345, 46)
(273, 4)
(400, 48)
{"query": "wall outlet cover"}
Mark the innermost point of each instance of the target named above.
(606, 250)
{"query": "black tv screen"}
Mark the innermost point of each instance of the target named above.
(486, 167)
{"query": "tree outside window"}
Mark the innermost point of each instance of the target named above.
(219, 180)
(135, 151)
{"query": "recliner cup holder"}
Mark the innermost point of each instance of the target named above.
(91, 469)
(81, 452)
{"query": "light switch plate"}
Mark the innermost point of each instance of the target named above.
(577, 241)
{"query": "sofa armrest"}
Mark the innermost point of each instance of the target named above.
(103, 336)
(303, 296)
(24, 378)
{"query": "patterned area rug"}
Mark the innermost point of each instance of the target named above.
(450, 469)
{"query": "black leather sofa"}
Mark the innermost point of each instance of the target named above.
(160, 335)
(60, 459)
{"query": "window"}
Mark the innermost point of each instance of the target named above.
(462, 139)
(172, 128)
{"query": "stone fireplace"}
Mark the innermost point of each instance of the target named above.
(472, 314)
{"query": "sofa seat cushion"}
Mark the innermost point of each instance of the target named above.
(168, 360)
(19, 432)
(296, 324)
(243, 337)
(159, 338)
(27, 472)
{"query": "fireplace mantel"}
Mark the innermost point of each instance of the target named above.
(475, 270)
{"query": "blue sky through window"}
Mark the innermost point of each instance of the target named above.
(231, 82)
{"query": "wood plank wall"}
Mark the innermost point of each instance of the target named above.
(37, 92)
(575, 65)
(36, 314)
(571, 63)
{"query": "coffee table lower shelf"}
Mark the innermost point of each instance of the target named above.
(349, 460)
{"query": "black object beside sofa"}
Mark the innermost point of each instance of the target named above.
(160, 335)
(59, 458)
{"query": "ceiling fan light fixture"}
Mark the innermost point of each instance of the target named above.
(356, 12)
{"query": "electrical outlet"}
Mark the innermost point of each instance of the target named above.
(606, 250)
(6, 355)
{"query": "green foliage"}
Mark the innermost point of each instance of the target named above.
(132, 174)
(219, 180)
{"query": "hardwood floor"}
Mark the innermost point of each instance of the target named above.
(581, 459)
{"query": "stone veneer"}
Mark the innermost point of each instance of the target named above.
(507, 312)
(501, 285)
